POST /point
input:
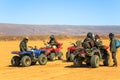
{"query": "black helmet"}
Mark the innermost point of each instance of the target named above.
(52, 37)
(89, 35)
(111, 35)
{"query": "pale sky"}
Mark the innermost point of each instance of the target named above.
(61, 12)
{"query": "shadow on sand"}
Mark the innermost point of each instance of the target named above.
(20, 66)
(82, 66)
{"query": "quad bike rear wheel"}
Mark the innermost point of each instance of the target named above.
(77, 61)
(15, 61)
(52, 56)
(42, 59)
(67, 56)
(106, 57)
(72, 57)
(26, 61)
(106, 61)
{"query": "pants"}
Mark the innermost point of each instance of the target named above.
(114, 58)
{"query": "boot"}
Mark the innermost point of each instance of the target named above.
(114, 65)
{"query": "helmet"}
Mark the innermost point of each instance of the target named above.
(52, 37)
(111, 35)
(26, 38)
(97, 36)
(89, 35)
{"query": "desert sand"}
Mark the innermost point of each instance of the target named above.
(56, 70)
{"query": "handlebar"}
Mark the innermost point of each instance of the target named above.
(72, 43)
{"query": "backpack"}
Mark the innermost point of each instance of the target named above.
(117, 43)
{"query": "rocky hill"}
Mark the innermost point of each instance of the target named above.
(23, 29)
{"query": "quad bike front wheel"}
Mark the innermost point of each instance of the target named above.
(72, 57)
(95, 61)
(42, 59)
(26, 61)
(67, 56)
(15, 61)
(77, 61)
(60, 55)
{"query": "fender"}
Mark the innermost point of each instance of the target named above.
(96, 52)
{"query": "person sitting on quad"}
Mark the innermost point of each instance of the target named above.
(53, 42)
(102, 48)
(98, 41)
(78, 43)
(23, 45)
(89, 41)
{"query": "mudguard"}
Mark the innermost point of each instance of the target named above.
(36, 52)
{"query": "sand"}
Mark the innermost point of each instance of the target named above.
(56, 70)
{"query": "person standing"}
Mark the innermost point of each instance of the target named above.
(113, 49)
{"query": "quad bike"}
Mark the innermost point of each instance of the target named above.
(70, 54)
(92, 57)
(29, 57)
(53, 51)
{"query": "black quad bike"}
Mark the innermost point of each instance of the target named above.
(91, 57)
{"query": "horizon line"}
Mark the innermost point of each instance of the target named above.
(58, 24)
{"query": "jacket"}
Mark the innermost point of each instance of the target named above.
(23, 46)
(112, 45)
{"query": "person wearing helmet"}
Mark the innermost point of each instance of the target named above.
(89, 41)
(53, 41)
(98, 44)
(90, 35)
(113, 49)
(23, 44)
(98, 41)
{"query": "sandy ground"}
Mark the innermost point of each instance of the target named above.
(56, 70)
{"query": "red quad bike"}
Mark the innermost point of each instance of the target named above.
(70, 54)
(92, 57)
(52, 51)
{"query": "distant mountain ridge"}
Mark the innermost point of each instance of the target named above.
(24, 29)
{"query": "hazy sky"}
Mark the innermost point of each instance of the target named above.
(68, 12)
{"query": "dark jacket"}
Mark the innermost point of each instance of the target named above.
(112, 45)
(23, 45)
(88, 43)
(53, 42)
